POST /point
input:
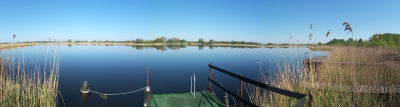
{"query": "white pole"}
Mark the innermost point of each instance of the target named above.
(194, 86)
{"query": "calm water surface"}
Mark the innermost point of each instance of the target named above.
(113, 69)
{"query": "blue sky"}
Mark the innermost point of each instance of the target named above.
(262, 21)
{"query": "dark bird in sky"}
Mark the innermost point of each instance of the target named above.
(14, 36)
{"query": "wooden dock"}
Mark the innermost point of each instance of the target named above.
(203, 99)
(207, 98)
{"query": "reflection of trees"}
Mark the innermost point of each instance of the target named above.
(160, 47)
(243, 47)
(173, 47)
(157, 47)
(109, 44)
(69, 45)
(176, 47)
(201, 47)
(211, 46)
(138, 47)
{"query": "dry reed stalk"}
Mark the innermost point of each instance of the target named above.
(28, 87)
(338, 79)
(348, 27)
(327, 33)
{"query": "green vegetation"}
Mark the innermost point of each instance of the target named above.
(386, 40)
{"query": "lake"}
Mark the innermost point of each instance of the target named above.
(116, 68)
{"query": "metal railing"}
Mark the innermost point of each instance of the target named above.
(296, 95)
(193, 85)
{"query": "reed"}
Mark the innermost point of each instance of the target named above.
(24, 86)
(332, 83)
(348, 27)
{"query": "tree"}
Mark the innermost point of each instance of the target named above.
(163, 39)
(157, 40)
(335, 41)
(169, 41)
(269, 44)
(69, 40)
(182, 41)
(139, 40)
(201, 40)
(160, 40)
(211, 41)
(175, 40)
(387, 40)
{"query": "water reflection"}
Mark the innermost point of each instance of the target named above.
(177, 47)
(173, 47)
(84, 97)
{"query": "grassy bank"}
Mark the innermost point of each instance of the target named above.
(333, 84)
(9, 46)
(22, 87)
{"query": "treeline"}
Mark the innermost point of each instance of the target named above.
(173, 41)
(386, 40)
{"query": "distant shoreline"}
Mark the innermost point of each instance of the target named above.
(17, 45)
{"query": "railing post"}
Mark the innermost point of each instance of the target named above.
(241, 92)
(310, 98)
(209, 81)
(148, 85)
(147, 93)
(147, 76)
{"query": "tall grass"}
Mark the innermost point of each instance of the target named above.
(25, 86)
(334, 82)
